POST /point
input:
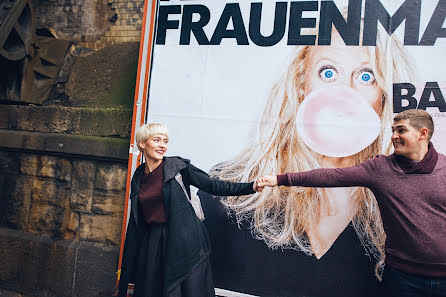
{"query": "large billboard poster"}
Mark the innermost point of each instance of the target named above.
(252, 88)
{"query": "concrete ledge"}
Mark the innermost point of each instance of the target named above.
(87, 146)
(104, 122)
(39, 266)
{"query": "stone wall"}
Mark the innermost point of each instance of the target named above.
(64, 197)
(63, 171)
(63, 164)
(63, 191)
(40, 266)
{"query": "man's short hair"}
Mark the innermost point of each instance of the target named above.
(418, 119)
(145, 131)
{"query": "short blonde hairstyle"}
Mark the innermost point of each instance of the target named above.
(147, 130)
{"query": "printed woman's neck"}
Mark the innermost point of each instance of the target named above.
(335, 162)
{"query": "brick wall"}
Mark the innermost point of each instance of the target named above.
(126, 26)
(77, 20)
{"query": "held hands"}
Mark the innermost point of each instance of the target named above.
(265, 181)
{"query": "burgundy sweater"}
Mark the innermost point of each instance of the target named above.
(151, 196)
(412, 205)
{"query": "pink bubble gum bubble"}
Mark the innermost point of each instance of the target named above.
(337, 122)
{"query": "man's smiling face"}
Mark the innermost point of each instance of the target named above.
(405, 138)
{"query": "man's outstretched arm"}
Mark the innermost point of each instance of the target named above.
(353, 176)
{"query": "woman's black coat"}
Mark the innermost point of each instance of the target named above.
(186, 243)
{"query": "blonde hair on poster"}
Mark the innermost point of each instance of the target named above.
(281, 215)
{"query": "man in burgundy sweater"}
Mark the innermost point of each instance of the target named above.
(410, 188)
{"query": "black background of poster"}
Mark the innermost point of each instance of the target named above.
(243, 264)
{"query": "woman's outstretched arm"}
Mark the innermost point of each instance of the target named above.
(203, 181)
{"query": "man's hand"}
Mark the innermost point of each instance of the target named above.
(266, 181)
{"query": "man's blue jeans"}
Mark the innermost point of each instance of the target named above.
(400, 284)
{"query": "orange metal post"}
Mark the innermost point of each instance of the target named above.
(136, 122)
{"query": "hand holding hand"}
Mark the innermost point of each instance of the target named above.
(266, 181)
(255, 186)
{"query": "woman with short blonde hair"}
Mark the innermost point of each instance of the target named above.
(166, 250)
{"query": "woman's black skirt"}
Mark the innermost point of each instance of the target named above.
(150, 269)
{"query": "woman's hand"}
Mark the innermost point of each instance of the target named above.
(255, 186)
(266, 181)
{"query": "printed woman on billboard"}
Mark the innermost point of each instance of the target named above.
(332, 108)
